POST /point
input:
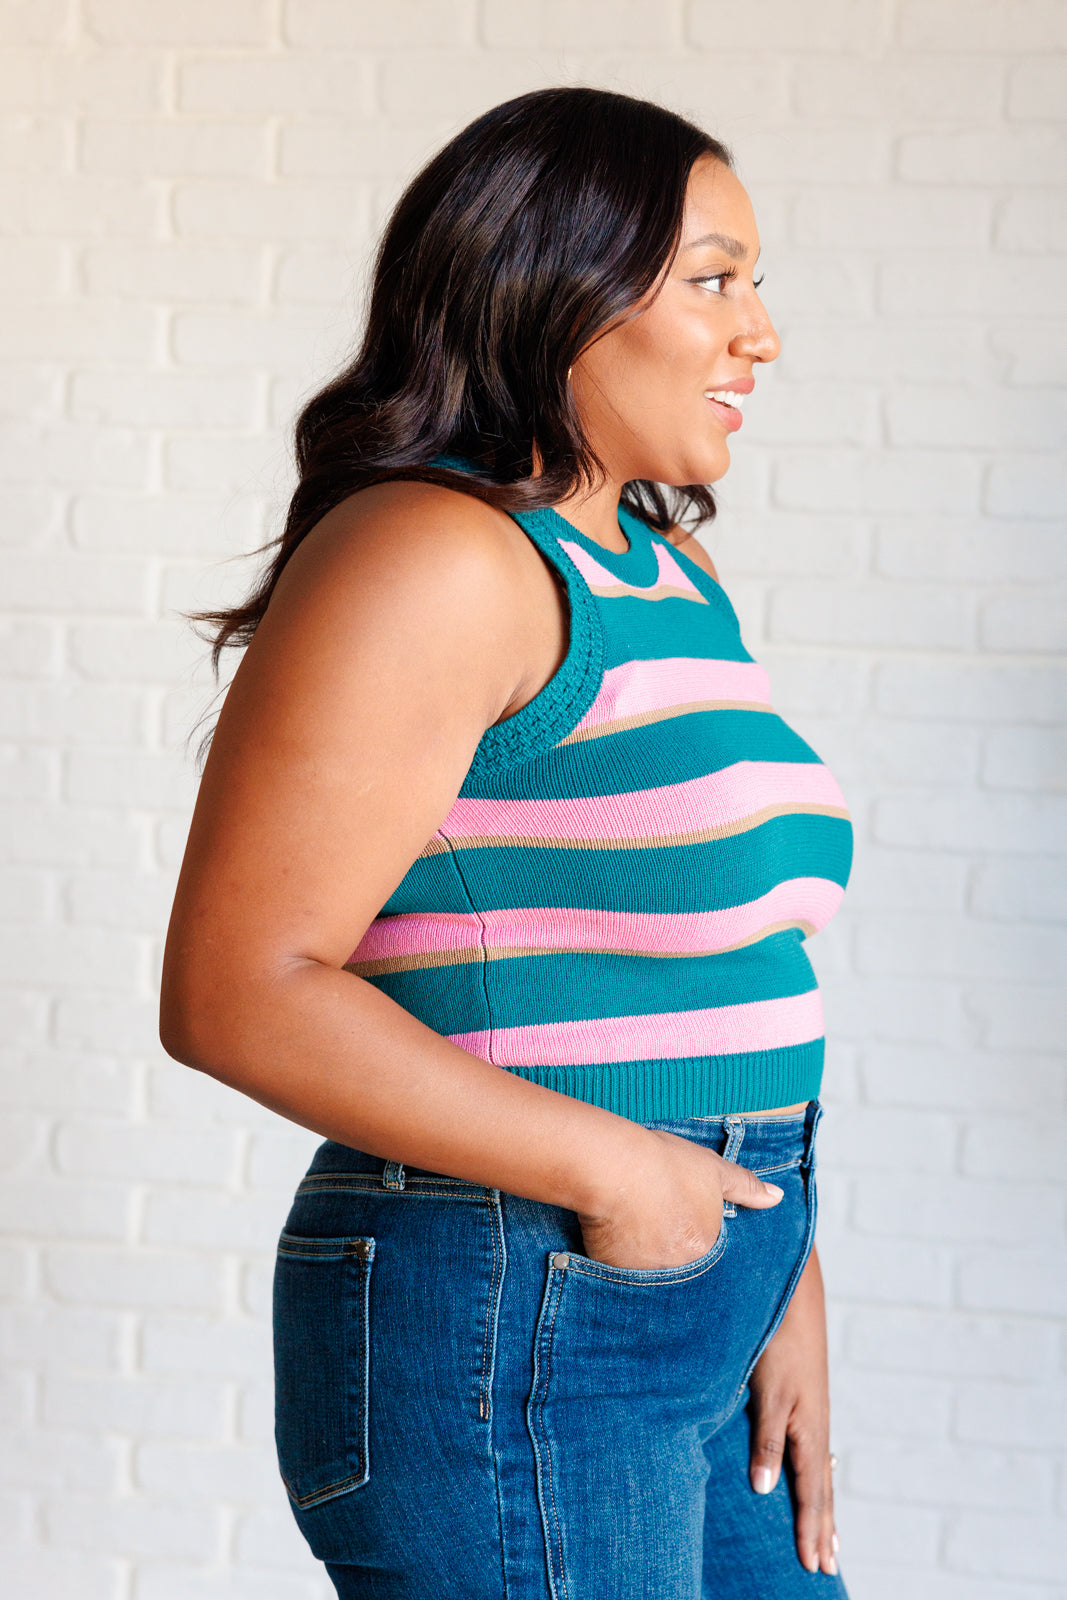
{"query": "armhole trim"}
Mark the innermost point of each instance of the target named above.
(558, 707)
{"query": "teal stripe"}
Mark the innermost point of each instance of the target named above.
(581, 986)
(705, 1086)
(700, 743)
(653, 630)
(687, 877)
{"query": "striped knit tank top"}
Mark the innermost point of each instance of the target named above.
(616, 904)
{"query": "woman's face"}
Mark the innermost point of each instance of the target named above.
(643, 388)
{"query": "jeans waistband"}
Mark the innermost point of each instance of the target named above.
(762, 1143)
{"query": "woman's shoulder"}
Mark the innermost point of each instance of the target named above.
(413, 540)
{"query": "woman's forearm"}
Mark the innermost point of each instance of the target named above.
(333, 1053)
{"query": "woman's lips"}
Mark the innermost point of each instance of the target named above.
(729, 416)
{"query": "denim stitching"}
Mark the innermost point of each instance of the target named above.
(484, 1396)
(539, 1395)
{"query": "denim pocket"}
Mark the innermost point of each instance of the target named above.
(322, 1365)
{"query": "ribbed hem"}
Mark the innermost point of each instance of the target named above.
(692, 1086)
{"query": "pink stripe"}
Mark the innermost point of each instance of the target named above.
(809, 900)
(714, 1031)
(714, 800)
(639, 686)
(670, 574)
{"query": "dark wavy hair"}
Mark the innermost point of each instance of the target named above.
(539, 227)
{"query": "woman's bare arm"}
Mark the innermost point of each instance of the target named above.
(397, 634)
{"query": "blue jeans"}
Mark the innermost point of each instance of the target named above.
(470, 1408)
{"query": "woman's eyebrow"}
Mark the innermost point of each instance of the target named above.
(732, 247)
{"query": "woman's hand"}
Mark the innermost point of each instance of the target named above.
(791, 1409)
(667, 1209)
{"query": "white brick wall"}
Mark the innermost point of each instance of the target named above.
(189, 193)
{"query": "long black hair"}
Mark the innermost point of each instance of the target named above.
(538, 227)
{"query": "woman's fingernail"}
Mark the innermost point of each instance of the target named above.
(761, 1480)
(835, 1542)
(813, 1564)
(832, 1568)
(772, 1188)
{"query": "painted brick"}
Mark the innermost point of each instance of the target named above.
(30, 22)
(172, 270)
(77, 207)
(866, 481)
(214, 464)
(1029, 889)
(192, 1409)
(203, 1345)
(156, 778)
(872, 1139)
(1025, 419)
(225, 1472)
(875, 348)
(273, 85)
(27, 649)
(971, 1211)
(143, 1152)
(1025, 758)
(59, 1337)
(893, 1075)
(1016, 1280)
(171, 524)
(960, 286)
(36, 1574)
(983, 691)
(627, 24)
(1026, 486)
(1029, 222)
(106, 899)
(413, 86)
(899, 88)
(198, 23)
(158, 1582)
(361, 25)
(165, 399)
(951, 945)
(58, 1461)
(974, 550)
(869, 217)
(934, 1474)
(42, 1207)
(1038, 89)
(997, 25)
(875, 614)
(133, 1278)
(173, 148)
(1015, 1415)
(191, 1218)
(1011, 1545)
(889, 1271)
(887, 1406)
(66, 714)
(291, 339)
(137, 1526)
(1019, 1016)
(1017, 156)
(320, 147)
(839, 25)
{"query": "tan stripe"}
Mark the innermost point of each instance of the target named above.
(641, 719)
(480, 841)
(661, 592)
(417, 960)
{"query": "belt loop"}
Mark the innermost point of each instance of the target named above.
(393, 1175)
(811, 1122)
(735, 1132)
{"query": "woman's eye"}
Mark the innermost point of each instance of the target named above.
(715, 282)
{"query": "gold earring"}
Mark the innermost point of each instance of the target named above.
(569, 371)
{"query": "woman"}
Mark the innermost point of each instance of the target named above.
(498, 879)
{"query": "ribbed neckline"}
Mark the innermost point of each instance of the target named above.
(636, 565)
